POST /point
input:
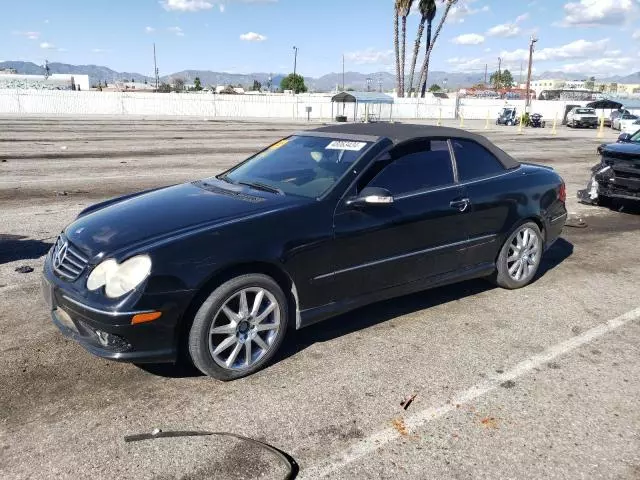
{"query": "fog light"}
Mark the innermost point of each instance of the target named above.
(64, 318)
(111, 341)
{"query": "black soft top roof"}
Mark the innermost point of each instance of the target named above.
(404, 132)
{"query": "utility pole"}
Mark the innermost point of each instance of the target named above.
(295, 59)
(343, 72)
(485, 74)
(532, 42)
(155, 66)
(520, 73)
(499, 79)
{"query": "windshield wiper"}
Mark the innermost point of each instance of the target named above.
(225, 178)
(262, 186)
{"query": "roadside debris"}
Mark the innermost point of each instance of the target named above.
(407, 401)
(398, 424)
(24, 269)
(284, 457)
(489, 422)
(575, 222)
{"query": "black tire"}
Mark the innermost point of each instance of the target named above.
(501, 277)
(199, 333)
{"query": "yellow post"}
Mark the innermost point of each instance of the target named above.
(461, 121)
(486, 125)
(554, 130)
(440, 118)
(601, 129)
(521, 121)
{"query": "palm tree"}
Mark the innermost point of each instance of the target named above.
(396, 41)
(427, 12)
(424, 72)
(405, 9)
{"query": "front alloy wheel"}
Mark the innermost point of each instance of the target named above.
(520, 257)
(239, 328)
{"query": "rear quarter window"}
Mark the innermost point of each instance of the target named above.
(474, 161)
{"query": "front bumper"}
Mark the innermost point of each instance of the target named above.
(109, 334)
(586, 122)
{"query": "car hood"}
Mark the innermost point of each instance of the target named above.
(163, 213)
(622, 150)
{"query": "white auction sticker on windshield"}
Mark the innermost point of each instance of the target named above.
(344, 145)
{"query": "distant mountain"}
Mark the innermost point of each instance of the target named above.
(96, 73)
(354, 80)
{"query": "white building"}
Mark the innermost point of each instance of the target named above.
(40, 82)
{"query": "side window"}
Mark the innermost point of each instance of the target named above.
(474, 161)
(423, 165)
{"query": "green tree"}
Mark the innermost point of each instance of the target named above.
(257, 86)
(424, 72)
(590, 84)
(197, 84)
(502, 80)
(428, 12)
(164, 88)
(293, 82)
(435, 88)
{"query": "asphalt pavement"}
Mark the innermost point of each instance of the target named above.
(542, 382)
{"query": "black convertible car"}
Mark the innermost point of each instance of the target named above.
(319, 223)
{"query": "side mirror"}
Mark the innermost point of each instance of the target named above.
(624, 138)
(371, 196)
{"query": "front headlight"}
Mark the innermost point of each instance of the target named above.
(119, 279)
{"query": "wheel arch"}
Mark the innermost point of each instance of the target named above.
(279, 275)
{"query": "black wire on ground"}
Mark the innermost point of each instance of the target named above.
(284, 457)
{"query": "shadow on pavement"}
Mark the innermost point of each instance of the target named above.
(14, 248)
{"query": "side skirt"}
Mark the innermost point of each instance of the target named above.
(318, 314)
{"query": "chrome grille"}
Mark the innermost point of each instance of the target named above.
(66, 260)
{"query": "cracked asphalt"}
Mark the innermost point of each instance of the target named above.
(542, 382)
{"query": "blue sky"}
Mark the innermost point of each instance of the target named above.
(599, 37)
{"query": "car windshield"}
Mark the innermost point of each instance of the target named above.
(630, 117)
(635, 137)
(299, 165)
(585, 110)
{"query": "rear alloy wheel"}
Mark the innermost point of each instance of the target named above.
(520, 257)
(239, 328)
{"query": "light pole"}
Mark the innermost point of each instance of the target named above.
(532, 42)
(499, 79)
(295, 60)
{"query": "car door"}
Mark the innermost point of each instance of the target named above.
(492, 208)
(415, 237)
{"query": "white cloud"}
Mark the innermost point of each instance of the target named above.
(99, 50)
(29, 35)
(176, 30)
(149, 29)
(463, 9)
(370, 56)
(522, 18)
(588, 13)
(468, 39)
(186, 5)
(46, 21)
(504, 30)
(636, 35)
(47, 46)
(252, 37)
(467, 64)
(601, 66)
(221, 7)
(487, 50)
(571, 51)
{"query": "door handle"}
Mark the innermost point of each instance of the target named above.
(460, 205)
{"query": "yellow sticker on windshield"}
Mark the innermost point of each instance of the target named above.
(279, 144)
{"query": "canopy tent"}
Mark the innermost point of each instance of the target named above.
(604, 104)
(629, 103)
(365, 98)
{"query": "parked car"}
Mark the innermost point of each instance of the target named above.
(631, 128)
(317, 224)
(508, 116)
(582, 117)
(617, 174)
(622, 120)
(615, 114)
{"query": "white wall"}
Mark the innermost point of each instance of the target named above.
(16, 102)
